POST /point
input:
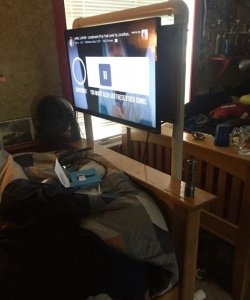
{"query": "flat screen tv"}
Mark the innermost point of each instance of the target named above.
(126, 72)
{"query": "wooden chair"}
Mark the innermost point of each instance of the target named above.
(182, 214)
(220, 171)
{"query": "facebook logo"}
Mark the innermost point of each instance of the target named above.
(105, 74)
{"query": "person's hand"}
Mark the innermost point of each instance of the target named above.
(118, 111)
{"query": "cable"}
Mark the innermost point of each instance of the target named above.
(105, 168)
(68, 158)
(145, 148)
(73, 159)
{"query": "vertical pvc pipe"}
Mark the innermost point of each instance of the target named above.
(178, 126)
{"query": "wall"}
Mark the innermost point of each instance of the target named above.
(28, 56)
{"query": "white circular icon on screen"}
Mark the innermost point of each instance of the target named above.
(71, 42)
(77, 71)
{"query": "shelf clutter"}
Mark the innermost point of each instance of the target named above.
(226, 33)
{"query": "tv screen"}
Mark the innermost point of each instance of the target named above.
(126, 72)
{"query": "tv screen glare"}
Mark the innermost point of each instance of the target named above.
(126, 72)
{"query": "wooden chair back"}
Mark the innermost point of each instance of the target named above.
(220, 171)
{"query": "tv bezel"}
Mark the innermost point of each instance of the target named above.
(165, 109)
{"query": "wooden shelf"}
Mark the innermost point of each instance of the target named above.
(225, 60)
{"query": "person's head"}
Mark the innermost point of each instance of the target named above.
(115, 48)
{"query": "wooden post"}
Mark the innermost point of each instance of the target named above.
(186, 228)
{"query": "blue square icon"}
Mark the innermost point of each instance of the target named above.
(105, 74)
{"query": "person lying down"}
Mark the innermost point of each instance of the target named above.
(53, 245)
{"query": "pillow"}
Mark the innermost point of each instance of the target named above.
(228, 110)
(9, 170)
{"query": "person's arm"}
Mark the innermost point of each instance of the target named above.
(24, 202)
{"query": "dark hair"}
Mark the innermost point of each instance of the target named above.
(74, 268)
(45, 254)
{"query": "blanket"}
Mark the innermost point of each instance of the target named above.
(123, 210)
